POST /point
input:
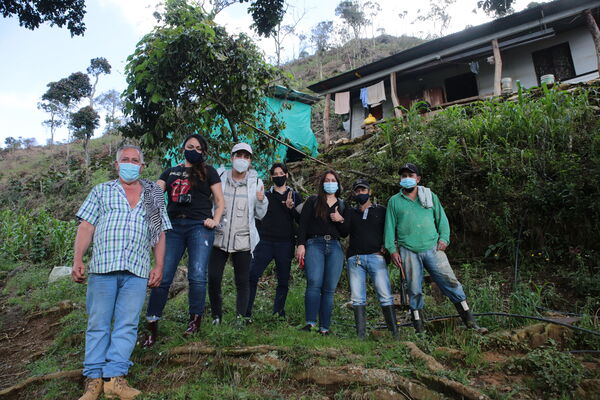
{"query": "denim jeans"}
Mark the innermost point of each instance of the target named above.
(264, 252)
(187, 234)
(117, 296)
(437, 264)
(375, 266)
(323, 263)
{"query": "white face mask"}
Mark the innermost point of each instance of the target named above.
(241, 165)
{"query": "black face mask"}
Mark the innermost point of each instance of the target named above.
(279, 181)
(361, 198)
(193, 156)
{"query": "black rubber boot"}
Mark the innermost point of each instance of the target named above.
(360, 321)
(467, 317)
(389, 313)
(417, 319)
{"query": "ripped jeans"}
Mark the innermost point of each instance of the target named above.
(192, 235)
(438, 266)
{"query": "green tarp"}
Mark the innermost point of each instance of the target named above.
(297, 132)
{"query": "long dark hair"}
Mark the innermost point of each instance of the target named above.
(198, 171)
(321, 207)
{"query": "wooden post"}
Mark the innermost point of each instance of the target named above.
(395, 101)
(326, 120)
(593, 27)
(498, 69)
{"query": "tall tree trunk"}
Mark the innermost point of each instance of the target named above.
(233, 128)
(593, 27)
(326, 136)
(86, 153)
(498, 68)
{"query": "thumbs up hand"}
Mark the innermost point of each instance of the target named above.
(289, 202)
(336, 216)
(260, 193)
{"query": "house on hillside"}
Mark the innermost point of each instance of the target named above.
(550, 39)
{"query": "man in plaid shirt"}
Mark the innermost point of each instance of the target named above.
(125, 218)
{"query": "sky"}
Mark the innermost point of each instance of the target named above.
(32, 59)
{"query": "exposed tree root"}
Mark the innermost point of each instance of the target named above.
(431, 363)
(76, 373)
(450, 387)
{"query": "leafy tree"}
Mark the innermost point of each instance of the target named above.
(32, 13)
(56, 120)
(68, 91)
(83, 123)
(61, 97)
(189, 75)
(496, 7)
(12, 143)
(111, 102)
(266, 14)
(438, 14)
(29, 142)
(320, 36)
(97, 67)
(353, 15)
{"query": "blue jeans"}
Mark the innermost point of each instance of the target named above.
(375, 266)
(193, 235)
(323, 263)
(438, 266)
(117, 296)
(264, 252)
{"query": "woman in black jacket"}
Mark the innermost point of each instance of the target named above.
(320, 251)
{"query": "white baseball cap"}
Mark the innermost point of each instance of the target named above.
(241, 146)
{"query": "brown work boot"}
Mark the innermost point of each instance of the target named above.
(93, 389)
(118, 387)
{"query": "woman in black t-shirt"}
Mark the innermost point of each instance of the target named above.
(189, 187)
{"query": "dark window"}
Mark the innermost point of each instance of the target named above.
(377, 111)
(461, 87)
(555, 60)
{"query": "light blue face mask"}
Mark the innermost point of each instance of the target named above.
(129, 172)
(408, 183)
(330, 187)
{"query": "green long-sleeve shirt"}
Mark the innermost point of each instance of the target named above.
(413, 226)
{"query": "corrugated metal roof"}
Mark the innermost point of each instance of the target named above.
(532, 15)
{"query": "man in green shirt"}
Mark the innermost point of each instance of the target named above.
(416, 234)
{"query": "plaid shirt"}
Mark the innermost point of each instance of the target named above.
(122, 235)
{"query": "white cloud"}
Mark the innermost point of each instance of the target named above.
(138, 13)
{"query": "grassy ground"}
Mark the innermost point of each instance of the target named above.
(498, 367)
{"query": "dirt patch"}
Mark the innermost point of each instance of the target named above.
(494, 357)
(24, 339)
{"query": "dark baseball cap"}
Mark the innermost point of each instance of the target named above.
(361, 183)
(410, 167)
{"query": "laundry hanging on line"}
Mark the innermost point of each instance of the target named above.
(342, 103)
(376, 94)
(364, 97)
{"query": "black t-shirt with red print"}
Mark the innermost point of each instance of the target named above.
(177, 183)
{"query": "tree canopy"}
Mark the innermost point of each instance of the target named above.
(190, 75)
(32, 13)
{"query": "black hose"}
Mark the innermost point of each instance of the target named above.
(501, 314)
(583, 351)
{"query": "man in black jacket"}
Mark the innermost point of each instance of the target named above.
(277, 238)
(365, 225)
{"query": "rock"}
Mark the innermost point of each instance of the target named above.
(59, 273)
(180, 282)
(538, 334)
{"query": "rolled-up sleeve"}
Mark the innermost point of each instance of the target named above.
(90, 209)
